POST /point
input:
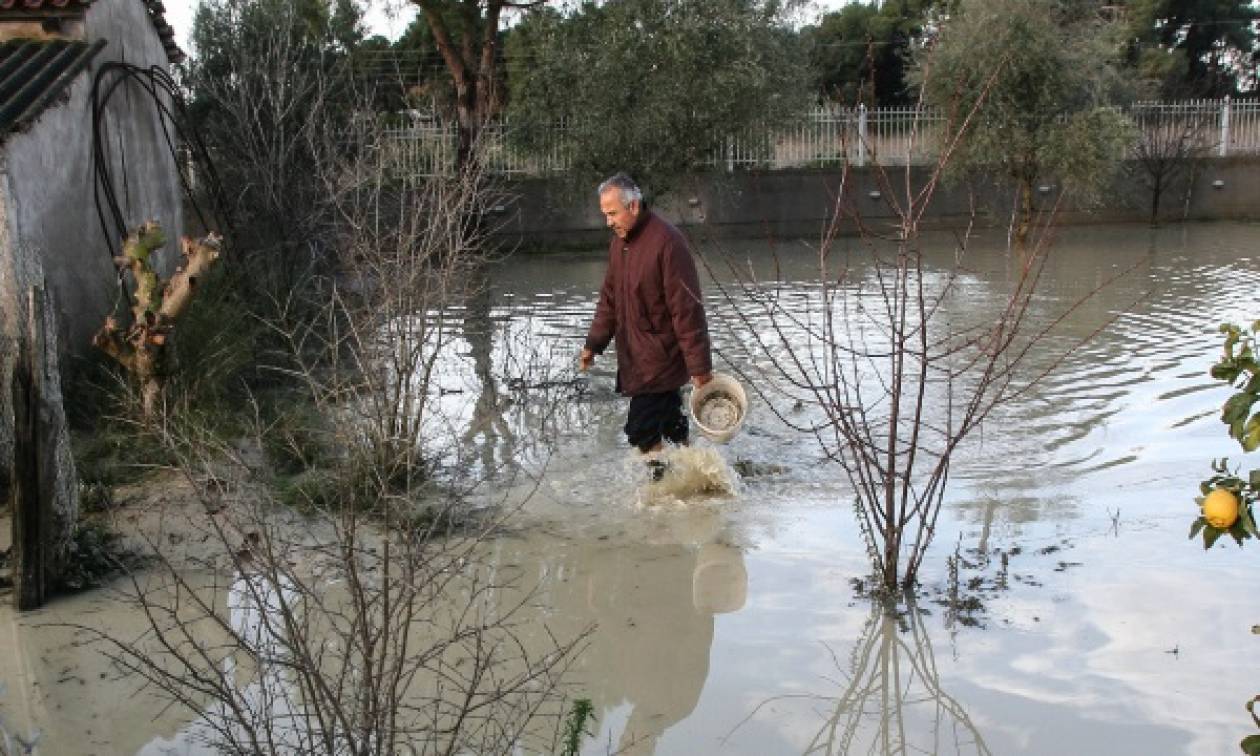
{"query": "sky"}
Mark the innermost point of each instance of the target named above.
(388, 18)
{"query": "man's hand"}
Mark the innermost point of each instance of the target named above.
(700, 380)
(585, 359)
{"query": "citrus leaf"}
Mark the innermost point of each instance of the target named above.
(1246, 521)
(1196, 526)
(1253, 479)
(1251, 433)
(1210, 534)
(1236, 430)
(1237, 533)
(1251, 745)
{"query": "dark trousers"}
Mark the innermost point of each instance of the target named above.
(656, 417)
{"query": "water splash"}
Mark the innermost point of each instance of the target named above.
(690, 472)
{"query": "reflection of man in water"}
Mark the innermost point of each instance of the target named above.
(650, 303)
(654, 607)
(266, 706)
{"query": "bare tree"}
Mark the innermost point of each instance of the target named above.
(1171, 137)
(386, 317)
(336, 632)
(263, 85)
(345, 604)
(369, 620)
(891, 378)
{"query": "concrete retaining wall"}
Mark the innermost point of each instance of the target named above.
(799, 202)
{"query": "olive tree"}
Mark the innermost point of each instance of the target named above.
(1042, 78)
(860, 51)
(1193, 48)
(653, 87)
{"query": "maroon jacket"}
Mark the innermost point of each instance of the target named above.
(650, 303)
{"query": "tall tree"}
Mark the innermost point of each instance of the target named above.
(861, 53)
(654, 87)
(1038, 79)
(265, 75)
(1193, 48)
(466, 34)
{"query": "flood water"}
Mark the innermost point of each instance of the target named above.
(731, 622)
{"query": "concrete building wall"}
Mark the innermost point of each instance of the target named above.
(799, 202)
(50, 235)
(48, 178)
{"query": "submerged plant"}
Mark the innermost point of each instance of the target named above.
(97, 554)
(575, 726)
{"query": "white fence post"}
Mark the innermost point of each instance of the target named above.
(1225, 127)
(861, 145)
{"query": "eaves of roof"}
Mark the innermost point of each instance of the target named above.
(43, 6)
(33, 73)
(157, 14)
(37, 9)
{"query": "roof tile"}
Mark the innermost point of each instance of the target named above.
(42, 4)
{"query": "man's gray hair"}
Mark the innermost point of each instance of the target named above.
(624, 185)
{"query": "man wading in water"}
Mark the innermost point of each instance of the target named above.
(650, 302)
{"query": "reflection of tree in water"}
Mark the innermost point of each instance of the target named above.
(893, 702)
(487, 421)
(523, 365)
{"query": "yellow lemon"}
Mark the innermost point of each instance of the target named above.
(1220, 509)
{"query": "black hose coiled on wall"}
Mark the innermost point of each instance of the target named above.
(157, 87)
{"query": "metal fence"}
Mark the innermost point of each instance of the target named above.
(1219, 127)
(830, 136)
(428, 149)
